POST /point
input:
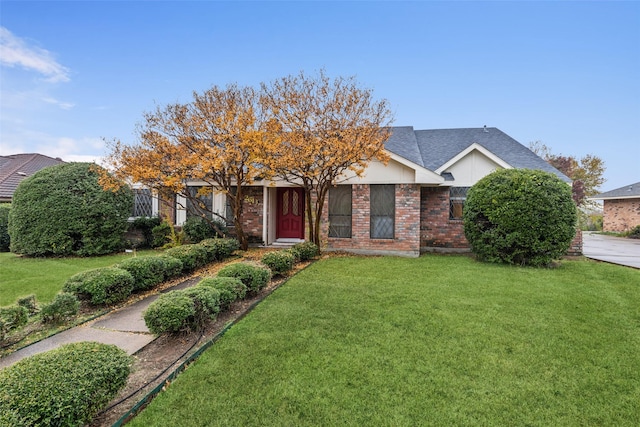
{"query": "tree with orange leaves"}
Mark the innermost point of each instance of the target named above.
(322, 129)
(216, 138)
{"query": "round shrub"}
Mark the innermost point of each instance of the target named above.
(63, 210)
(107, 285)
(12, 318)
(160, 234)
(4, 227)
(62, 387)
(206, 303)
(197, 228)
(279, 262)
(172, 266)
(171, 312)
(63, 306)
(147, 271)
(220, 249)
(192, 256)
(230, 289)
(29, 302)
(635, 232)
(145, 226)
(305, 251)
(520, 216)
(253, 276)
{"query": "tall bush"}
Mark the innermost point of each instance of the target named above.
(62, 387)
(4, 227)
(520, 216)
(63, 210)
(197, 228)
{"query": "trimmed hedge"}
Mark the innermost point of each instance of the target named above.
(182, 310)
(172, 266)
(107, 285)
(29, 302)
(192, 256)
(253, 276)
(147, 271)
(279, 262)
(305, 251)
(230, 289)
(63, 306)
(220, 249)
(62, 387)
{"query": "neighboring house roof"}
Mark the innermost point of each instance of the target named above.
(434, 149)
(631, 191)
(16, 167)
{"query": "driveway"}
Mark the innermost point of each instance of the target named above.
(616, 250)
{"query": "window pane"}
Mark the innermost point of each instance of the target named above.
(382, 205)
(229, 211)
(457, 197)
(340, 211)
(199, 205)
(142, 202)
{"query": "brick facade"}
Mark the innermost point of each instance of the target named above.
(621, 214)
(437, 231)
(252, 215)
(406, 240)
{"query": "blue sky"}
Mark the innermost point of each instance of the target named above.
(563, 73)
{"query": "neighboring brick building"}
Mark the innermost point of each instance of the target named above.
(621, 208)
(412, 204)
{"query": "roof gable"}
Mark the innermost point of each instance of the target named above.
(437, 149)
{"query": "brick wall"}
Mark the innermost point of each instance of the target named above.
(252, 214)
(437, 231)
(621, 214)
(406, 239)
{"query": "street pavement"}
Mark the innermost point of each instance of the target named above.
(123, 327)
(615, 250)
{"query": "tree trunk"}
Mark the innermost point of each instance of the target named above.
(237, 207)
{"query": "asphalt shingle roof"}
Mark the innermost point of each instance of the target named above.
(433, 148)
(16, 167)
(628, 191)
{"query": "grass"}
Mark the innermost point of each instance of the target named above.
(431, 341)
(44, 277)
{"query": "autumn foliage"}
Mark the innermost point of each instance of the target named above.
(309, 131)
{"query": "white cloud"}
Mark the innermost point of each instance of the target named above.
(14, 51)
(61, 104)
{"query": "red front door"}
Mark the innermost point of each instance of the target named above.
(290, 217)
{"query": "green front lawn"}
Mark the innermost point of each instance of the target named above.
(439, 340)
(44, 277)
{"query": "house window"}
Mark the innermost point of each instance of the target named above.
(199, 203)
(142, 202)
(383, 207)
(340, 211)
(457, 196)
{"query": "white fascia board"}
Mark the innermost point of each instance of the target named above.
(469, 149)
(614, 197)
(422, 175)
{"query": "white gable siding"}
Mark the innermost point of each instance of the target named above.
(393, 172)
(471, 168)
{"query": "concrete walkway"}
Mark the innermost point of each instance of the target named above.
(616, 250)
(124, 327)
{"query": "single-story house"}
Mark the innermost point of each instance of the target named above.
(621, 210)
(411, 205)
(16, 167)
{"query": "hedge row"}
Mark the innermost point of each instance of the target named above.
(62, 387)
(190, 309)
(110, 285)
